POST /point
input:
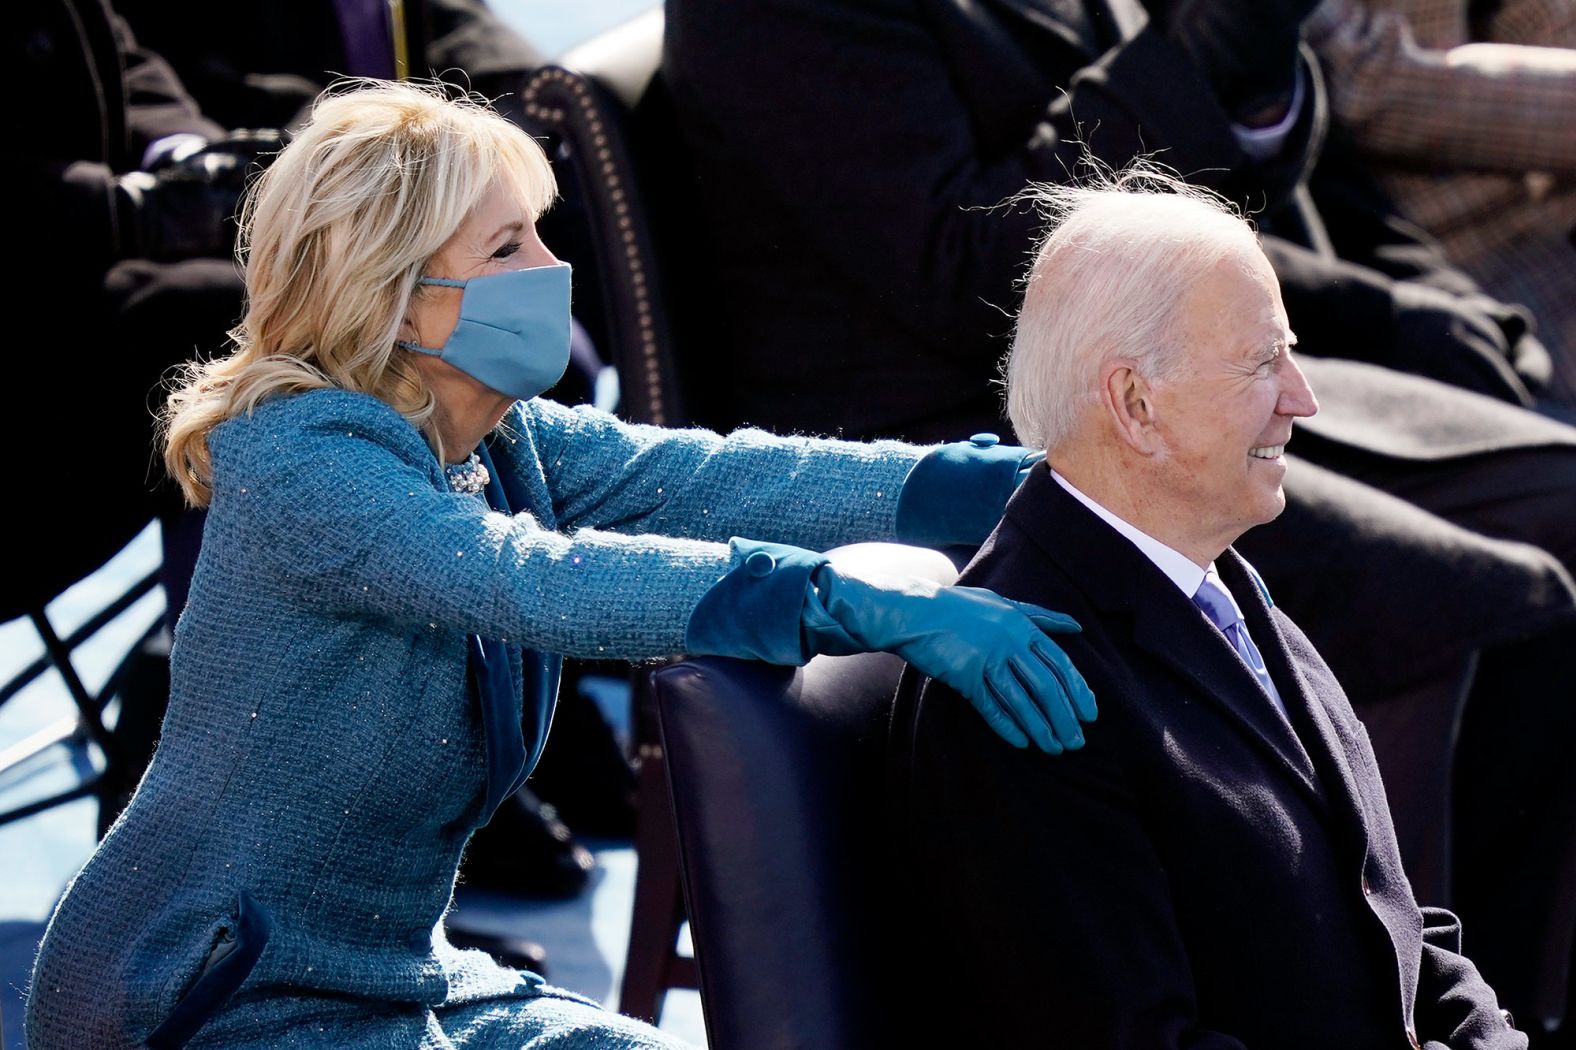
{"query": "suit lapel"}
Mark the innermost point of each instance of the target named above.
(1177, 634)
(1303, 701)
(1166, 624)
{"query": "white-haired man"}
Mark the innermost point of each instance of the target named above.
(1216, 868)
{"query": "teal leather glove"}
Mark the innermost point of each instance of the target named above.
(993, 651)
(956, 493)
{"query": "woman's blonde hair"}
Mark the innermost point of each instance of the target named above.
(334, 236)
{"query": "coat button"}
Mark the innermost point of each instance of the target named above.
(984, 440)
(759, 564)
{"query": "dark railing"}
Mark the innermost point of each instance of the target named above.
(89, 721)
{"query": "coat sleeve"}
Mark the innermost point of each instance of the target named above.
(1040, 892)
(64, 161)
(855, 119)
(336, 512)
(157, 103)
(1481, 106)
(1455, 1007)
(1435, 325)
(607, 474)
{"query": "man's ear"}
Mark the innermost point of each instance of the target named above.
(1128, 401)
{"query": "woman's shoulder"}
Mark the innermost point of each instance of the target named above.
(312, 417)
(539, 414)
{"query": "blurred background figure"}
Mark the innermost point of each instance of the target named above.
(265, 63)
(1466, 111)
(123, 193)
(923, 116)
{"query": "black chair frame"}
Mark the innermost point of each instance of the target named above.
(89, 723)
(585, 119)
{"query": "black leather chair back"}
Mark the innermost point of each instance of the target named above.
(601, 229)
(777, 783)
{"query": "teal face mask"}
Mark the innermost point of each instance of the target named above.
(513, 333)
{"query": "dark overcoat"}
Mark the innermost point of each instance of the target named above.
(1202, 873)
(95, 100)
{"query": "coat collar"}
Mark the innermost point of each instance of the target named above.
(1167, 626)
(516, 688)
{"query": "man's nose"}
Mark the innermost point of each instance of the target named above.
(1296, 397)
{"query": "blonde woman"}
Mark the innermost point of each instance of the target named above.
(401, 540)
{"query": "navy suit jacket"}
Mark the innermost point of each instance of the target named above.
(1201, 874)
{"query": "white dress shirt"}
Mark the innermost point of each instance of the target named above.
(1178, 567)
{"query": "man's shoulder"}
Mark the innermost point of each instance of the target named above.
(1020, 567)
(1015, 564)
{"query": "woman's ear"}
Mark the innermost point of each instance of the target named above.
(1128, 402)
(409, 330)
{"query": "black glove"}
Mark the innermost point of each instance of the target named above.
(187, 208)
(1247, 49)
(1527, 355)
(1469, 341)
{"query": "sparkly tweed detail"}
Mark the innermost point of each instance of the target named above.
(321, 751)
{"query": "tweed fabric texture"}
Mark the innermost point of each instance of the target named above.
(1472, 129)
(323, 751)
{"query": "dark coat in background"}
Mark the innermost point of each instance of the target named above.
(96, 100)
(1198, 875)
(95, 331)
(261, 65)
(849, 156)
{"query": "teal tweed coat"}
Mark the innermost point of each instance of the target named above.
(280, 877)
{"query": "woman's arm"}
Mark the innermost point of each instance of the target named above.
(809, 492)
(332, 498)
(331, 501)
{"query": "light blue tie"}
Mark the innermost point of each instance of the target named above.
(1218, 604)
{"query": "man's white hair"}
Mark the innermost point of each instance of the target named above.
(1106, 284)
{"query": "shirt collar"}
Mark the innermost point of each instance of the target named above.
(1178, 567)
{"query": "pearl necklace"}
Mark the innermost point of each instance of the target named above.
(469, 477)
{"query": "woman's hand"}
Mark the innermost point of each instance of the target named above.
(994, 651)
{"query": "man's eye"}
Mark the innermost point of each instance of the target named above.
(506, 250)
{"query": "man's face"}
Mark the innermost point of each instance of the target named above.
(1227, 416)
